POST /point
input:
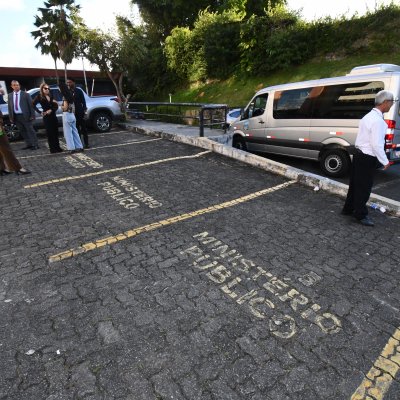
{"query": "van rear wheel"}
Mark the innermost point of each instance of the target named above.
(239, 143)
(335, 162)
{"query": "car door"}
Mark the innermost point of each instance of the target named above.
(254, 122)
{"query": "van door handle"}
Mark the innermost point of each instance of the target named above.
(260, 121)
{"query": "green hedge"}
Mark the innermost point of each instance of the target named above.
(222, 45)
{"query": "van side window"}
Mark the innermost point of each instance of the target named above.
(293, 104)
(256, 107)
(346, 101)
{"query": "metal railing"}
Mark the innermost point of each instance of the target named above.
(204, 115)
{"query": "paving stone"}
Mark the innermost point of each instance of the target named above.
(148, 318)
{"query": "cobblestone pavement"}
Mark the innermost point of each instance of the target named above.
(148, 269)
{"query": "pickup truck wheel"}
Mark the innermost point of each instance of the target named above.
(239, 143)
(12, 131)
(335, 162)
(102, 122)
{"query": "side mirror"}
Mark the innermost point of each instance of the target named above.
(241, 113)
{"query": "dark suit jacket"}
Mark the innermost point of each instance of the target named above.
(80, 102)
(25, 103)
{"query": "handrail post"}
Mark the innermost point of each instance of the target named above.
(201, 122)
(226, 113)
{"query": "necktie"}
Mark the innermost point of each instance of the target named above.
(16, 101)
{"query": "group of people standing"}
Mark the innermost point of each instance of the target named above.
(21, 111)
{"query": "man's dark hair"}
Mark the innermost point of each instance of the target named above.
(71, 79)
(66, 92)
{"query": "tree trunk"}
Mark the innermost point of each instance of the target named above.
(56, 69)
(119, 94)
(123, 99)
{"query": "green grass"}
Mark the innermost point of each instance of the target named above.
(237, 90)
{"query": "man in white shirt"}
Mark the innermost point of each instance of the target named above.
(369, 154)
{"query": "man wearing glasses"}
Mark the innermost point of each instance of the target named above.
(21, 112)
(369, 154)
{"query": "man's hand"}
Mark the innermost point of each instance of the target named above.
(386, 166)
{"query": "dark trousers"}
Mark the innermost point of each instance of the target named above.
(25, 126)
(51, 125)
(360, 186)
(7, 157)
(81, 125)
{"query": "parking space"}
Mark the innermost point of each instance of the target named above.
(149, 269)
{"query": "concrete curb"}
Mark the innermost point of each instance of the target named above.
(220, 144)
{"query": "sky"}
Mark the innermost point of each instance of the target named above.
(17, 18)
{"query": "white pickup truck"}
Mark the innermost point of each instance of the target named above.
(101, 112)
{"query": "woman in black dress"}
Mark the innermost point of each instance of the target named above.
(49, 110)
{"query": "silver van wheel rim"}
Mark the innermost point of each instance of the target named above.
(333, 163)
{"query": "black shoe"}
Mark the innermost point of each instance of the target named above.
(80, 150)
(87, 146)
(34, 147)
(366, 222)
(56, 151)
(23, 171)
(5, 172)
(26, 147)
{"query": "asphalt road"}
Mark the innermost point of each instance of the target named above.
(147, 269)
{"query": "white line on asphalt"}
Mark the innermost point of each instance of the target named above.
(112, 170)
(93, 148)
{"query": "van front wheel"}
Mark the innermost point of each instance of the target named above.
(335, 162)
(239, 143)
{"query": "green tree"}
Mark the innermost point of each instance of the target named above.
(55, 33)
(259, 7)
(162, 16)
(114, 53)
(209, 50)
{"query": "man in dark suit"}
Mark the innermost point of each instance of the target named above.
(21, 112)
(80, 110)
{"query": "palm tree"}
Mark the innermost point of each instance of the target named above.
(44, 37)
(55, 33)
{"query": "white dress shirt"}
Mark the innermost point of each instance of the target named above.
(371, 135)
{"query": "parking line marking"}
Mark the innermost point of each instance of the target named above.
(92, 148)
(112, 133)
(169, 221)
(379, 378)
(109, 171)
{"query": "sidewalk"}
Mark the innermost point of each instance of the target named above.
(217, 141)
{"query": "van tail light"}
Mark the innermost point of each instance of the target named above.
(390, 134)
(390, 123)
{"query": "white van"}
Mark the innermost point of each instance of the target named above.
(318, 120)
